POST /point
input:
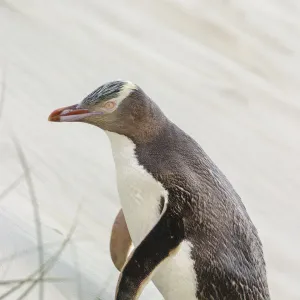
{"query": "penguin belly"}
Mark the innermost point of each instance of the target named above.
(140, 196)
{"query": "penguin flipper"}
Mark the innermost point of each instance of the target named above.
(161, 242)
(120, 241)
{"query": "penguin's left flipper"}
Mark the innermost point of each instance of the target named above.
(160, 243)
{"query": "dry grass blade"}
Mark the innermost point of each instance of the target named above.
(45, 267)
(51, 263)
(11, 187)
(77, 267)
(36, 212)
(8, 266)
(48, 279)
(25, 252)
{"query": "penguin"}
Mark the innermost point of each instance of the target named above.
(191, 233)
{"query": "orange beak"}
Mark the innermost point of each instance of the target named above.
(68, 114)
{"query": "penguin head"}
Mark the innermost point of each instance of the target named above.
(118, 106)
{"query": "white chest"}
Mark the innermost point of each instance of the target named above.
(139, 192)
(140, 197)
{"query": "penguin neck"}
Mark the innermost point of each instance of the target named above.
(141, 121)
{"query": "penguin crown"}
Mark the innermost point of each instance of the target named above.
(117, 90)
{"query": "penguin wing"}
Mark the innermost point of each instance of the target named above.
(161, 242)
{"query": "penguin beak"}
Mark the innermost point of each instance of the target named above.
(71, 113)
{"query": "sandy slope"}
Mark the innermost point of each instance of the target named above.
(226, 71)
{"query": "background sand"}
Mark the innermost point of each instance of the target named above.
(227, 72)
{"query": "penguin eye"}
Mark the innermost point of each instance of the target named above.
(109, 105)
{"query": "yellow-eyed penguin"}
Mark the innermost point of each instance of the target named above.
(192, 235)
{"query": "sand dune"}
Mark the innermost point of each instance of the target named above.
(227, 72)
